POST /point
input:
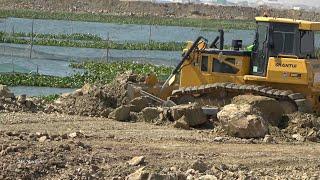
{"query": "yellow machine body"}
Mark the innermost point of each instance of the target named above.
(285, 72)
(192, 75)
(298, 75)
(303, 25)
(283, 58)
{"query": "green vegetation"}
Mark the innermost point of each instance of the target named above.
(75, 36)
(99, 17)
(50, 98)
(99, 72)
(87, 41)
(95, 72)
(2, 35)
(23, 79)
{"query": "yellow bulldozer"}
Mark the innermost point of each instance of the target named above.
(280, 64)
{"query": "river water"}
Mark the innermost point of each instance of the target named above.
(52, 60)
(121, 32)
(38, 91)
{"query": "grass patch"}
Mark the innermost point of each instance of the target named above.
(50, 98)
(95, 72)
(100, 72)
(105, 18)
(17, 79)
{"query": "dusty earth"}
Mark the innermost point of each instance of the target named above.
(55, 146)
(64, 141)
(133, 8)
(59, 146)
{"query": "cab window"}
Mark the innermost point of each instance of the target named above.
(307, 42)
(204, 63)
(283, 39)
(222, 67)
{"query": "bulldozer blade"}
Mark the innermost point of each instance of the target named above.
(168, 82)
(168, 103)
(172, 80)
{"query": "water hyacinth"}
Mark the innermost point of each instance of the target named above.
(74, 36)
(95, 72)
(50, 98)
(86, 41)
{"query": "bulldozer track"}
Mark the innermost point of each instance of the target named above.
(298, 99)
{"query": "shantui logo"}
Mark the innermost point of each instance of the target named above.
(286, 65)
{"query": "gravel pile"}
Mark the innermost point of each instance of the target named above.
(94, 100)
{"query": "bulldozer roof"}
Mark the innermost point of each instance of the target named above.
(303, 25)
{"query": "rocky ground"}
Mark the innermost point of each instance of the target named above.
(98, 132)
(55, 146)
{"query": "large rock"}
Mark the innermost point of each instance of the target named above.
(191, 114)
(208, 177)
(271, 110)
(242, 121)
(200, 166)
(139, 103)
(298, 137)
(42, 139)
(136, 161)
(121, 113)
(86, 89)
(5, 92)
(22, 99)
(140, 174)
(181, 123)
(151, 113)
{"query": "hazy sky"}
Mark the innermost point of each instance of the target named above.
(306, 2)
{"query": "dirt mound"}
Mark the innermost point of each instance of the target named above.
(33, 158)
(11, 103)
(95, 100)
(302, 127)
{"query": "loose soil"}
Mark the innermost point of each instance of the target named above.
(102, 147)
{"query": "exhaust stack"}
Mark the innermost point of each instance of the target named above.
(221, 39)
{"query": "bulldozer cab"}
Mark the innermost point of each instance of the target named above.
(279, 37)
